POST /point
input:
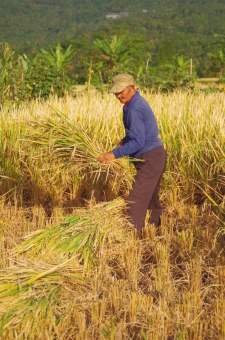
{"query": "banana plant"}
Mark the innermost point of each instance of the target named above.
(114, 54)
(57, 57)
(220, 55)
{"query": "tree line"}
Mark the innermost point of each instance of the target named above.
(162, 28)
(60, 68)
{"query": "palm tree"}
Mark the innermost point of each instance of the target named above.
(57, 58)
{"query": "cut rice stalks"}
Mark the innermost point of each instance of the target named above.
(83, 234)
(55, 262)
(29, 290)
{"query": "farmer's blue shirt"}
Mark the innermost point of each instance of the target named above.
(140, 127)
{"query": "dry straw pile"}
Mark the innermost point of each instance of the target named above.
(71, 265)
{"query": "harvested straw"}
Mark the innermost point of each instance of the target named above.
(82, 234)
(63, 257)
(29, 290)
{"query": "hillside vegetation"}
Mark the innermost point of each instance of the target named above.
(164, 27)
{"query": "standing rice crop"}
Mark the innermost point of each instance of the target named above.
(60, 146)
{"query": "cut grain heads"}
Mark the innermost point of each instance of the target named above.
(27, 274)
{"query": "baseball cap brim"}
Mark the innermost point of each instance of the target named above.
(118, 88)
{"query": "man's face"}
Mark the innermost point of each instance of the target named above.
(125, 95)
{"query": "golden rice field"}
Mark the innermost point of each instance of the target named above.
(71, 266)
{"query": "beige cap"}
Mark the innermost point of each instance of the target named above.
(121, 81)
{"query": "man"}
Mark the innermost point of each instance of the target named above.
(142, 142)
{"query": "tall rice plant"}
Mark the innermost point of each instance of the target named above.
(11, 166)
(65, 146)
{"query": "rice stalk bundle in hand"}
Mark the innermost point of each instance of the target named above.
(68, 145)
(82, 234)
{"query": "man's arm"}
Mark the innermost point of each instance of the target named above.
(136, 138)
(134, 142)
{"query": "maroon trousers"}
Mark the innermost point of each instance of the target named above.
(144, 192)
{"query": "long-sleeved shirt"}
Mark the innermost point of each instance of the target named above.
(140, 127)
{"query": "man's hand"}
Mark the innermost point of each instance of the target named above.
(106, 157)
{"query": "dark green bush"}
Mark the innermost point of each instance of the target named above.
(43, 79)
(22, 79)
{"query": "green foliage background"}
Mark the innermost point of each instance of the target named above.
(47, 46)
(185, 27)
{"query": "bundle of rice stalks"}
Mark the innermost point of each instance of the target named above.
(83, 234)
(29, 290)
(66, 145)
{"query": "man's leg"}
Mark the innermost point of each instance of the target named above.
(146, 180)
(155, 206)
